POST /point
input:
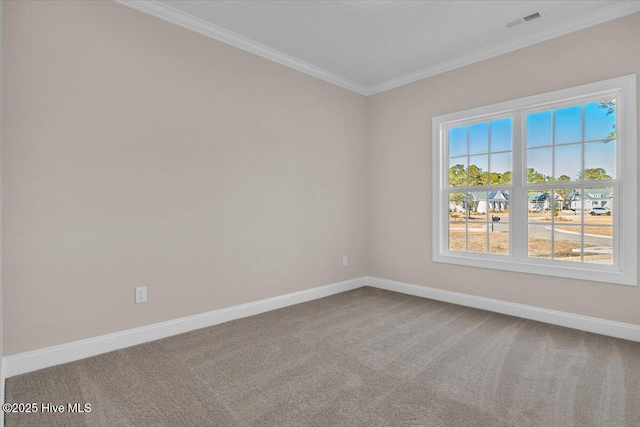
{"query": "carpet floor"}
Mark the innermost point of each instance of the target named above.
(367, 357)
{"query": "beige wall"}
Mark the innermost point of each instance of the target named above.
(137, 153)
(399, 221)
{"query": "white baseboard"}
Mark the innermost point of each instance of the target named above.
(38, 359)
(56, 355)
(584, 323)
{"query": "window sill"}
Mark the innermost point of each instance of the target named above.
(539, 267)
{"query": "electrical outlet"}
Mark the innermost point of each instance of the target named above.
(345, 261)
(141, 294)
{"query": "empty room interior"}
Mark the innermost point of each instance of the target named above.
(320, 213)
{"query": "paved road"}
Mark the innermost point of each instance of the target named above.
(543, 231)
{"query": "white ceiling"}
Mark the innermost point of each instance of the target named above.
(370, 46)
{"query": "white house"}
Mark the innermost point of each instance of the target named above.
(541, 201)
(496, 201)
(592, 198)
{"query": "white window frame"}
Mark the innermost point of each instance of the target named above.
(625, 241)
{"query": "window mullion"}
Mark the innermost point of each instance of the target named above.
(518, 222)
(553, 179)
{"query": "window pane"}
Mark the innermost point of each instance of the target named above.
(479, 138)
(478, 205)
(598, 245)
(499, 222)
(566, 242)
(556, 204)
(477, 223)
(600, 120)
(562, 197)
(458, 172)
(538, 205)
(501, 134)
(457, 238)
(567, 231)
(574, 201)
(500, 168)
(499, 203)
(598, 204)
(457, 224)
(478, 170)
(568, 162)
(477, 238)
(568, 125)
(600, 160)
(458, 141)
(539, 163)
(457, 207)
(539, 241)
(539, 129)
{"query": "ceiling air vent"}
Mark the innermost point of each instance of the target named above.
(531, 17)
(524, 19)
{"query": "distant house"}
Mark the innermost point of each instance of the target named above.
(541, 201)
(479, 201)
(456, 206)
(592, 198)
(494, 201)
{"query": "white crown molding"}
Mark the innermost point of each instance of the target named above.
(43, 358)
(168, 13)
(603, 15)
(568, 320)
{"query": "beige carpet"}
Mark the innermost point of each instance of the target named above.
(362, 358)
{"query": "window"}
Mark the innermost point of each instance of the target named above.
(544, 184)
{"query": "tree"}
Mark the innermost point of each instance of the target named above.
(457, 175)
(492, 178)
(593, 174)
(496, 178)
(505, 178)
(610, 106)
(533, 176)
(476, 175)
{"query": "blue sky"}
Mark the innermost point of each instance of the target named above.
(564, 124)
(567, 131)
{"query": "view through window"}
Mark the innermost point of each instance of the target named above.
(540, 184)
(571, 180)
(480, 155)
